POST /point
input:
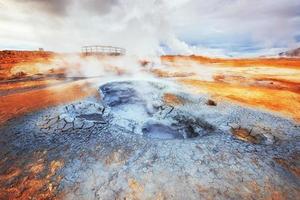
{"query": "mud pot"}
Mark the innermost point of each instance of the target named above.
(149, 140)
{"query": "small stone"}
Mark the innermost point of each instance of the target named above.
(245, 135)
(211, 103)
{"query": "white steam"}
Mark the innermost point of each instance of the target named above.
(151, 27)
(139, 26)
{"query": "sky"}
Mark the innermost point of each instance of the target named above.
(153, 27)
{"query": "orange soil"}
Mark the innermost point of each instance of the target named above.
(34, 83)
(32, 95)
(290, 164)
(20, 103)
(284, 102)
(8, 59)
(20, 93)
(172, 99)
(267, 83)
(277, 62)
(38, 178)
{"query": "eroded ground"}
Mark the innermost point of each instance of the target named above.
(272, 84)
(70, 138)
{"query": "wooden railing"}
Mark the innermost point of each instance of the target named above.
(103, 50)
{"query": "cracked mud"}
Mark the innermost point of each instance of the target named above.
(132, 143)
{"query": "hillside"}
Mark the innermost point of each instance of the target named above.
(291, 53)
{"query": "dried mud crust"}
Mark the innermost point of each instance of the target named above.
(96, 149)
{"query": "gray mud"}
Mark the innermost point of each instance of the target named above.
(130, 144)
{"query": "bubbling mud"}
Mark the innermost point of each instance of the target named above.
(141, 105)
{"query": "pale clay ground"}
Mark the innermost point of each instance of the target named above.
(132, 145)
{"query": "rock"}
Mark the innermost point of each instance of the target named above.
(211, 103)
(245, 135)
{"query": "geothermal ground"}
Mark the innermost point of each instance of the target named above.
(191, 128)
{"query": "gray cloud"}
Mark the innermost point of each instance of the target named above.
(260, 22)
(185, 26)
(61, 7)
(57, 7)
(99, 7)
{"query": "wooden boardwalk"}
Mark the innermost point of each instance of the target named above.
(103, 50)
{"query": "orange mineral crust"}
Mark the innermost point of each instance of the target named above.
(9, 59)
(237, 62)
(34, 80)
(269, 83)
(20, 103)
(280, 101)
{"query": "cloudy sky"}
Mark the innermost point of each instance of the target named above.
(208, 27)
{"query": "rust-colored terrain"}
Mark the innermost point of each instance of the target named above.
(30, 81)
(268, 83)
(79, 135)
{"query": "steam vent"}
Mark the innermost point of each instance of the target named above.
(149, 140)
(102, 50)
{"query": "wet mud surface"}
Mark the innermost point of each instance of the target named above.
(131, 143)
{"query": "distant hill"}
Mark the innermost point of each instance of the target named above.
(291, 53)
